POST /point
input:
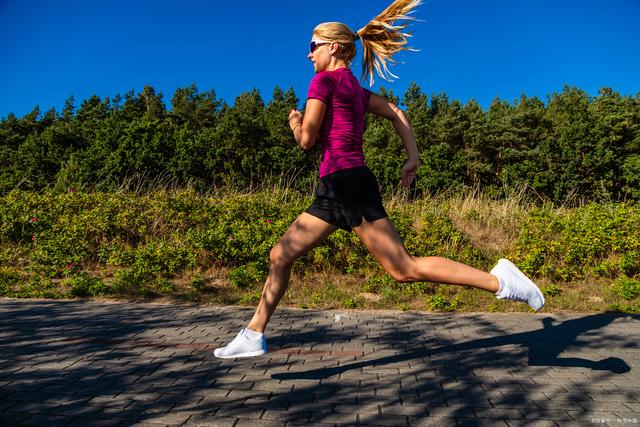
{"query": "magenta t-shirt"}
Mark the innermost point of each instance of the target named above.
(340, 136)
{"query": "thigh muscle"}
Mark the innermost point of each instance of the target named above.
(304, 234)
(383, 242)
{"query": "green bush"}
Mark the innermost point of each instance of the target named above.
(375, 283)
(249, 275)
(149, 245)
(163, 257)
(564, 246)
(84, 285)
(630, 263)
(350, 303)
(250, 298)
(198, 282)
(624, 308)
(627, 288)
(551, 290)
(164, 286)
(131, 282)
(8, 278)
(439, 302)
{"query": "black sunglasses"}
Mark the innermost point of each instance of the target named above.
(313, 45)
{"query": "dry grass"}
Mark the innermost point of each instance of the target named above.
(326, 289)
(491, 224)
(333, 290)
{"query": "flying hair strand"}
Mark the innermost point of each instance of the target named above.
(382, 38)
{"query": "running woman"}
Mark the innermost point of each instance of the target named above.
(348, 196)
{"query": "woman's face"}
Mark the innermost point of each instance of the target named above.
(320, 53)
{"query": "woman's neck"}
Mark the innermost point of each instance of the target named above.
(337, 63)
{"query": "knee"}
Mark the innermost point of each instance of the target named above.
(403, 273)
(400, 276)
(278, 258)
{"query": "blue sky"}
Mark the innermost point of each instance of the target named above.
(476, 49)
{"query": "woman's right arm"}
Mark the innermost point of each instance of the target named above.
(380, 106)
(309, 124)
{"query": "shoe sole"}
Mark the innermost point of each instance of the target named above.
(249, 354)
(511, 266)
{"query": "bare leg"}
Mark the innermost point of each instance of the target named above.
(384, 243)
(304, 234)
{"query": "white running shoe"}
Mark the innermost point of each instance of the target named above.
(242, 346)
(515, 285)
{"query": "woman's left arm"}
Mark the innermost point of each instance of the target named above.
(380, 106)
(306, 131)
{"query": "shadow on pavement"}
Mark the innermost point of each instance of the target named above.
(543, 344)
(80, 363)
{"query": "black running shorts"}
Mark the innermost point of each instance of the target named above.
(347, 196)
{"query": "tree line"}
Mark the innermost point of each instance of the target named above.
(572, 145)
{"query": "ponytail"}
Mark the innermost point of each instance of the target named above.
(381, 39)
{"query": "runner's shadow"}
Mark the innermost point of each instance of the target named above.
(544, 345)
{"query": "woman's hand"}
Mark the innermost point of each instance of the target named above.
(295, 118)
(409, 172)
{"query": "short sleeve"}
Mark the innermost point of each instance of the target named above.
(321, 87)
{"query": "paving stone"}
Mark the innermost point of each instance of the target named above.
(24, 396)
(310, 424)
(539, 423)
(258, 423)
(273, 386)
(34, 407)
(275, 404)
(333, 418)
(240, 411)
(612, 397)
(111, 402)
(314, 407)
(628, 415)
(470, 403)
(86, 411)
(68, 399)
(634, 407)
(430, 421)
(431, 401)
(392, 391)
(305, 396)
(497, 413)
(83, 422)
(596, 417)
(382, 420)
(406, 410)
(497, 422)
(549, 404)
(40, 420)
(446, 411)
(358, 408)
(605, 406)
(150, 364)
(548, 414)
(175, 418)
(145, 424)
(211, 392)
(286, 416)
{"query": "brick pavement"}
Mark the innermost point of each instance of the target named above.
(92, 364)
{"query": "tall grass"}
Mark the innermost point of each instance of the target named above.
(154, 238)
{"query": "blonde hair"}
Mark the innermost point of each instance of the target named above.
(380, 38)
